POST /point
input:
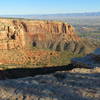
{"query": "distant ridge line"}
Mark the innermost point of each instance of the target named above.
(62, 15)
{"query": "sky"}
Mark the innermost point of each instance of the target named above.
(21, 7)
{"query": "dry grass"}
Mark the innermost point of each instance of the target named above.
(34, 58)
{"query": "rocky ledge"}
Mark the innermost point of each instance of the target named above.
(79, 84)
(90, 61)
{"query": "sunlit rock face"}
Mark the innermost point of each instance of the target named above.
(21, 33)
(40, 33)
(12, 35)
(50, 34)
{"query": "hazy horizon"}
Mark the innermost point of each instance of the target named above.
(36, 7)
(53, 13)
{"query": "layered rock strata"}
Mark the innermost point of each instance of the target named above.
(21, 33)
(14, 33)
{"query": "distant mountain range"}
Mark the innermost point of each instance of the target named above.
(50, 16)
(76, 14)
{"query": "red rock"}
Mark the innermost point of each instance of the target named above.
(16, 33)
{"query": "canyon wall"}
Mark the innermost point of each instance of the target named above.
(17, 33)
(54, 35)
(12, 34)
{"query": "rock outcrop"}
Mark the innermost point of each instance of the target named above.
(40, 33)
(57, 86)
(21, 33)
(90, 61)
(11, 35)
(50, 34)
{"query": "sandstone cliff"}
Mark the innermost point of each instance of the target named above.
(14, 32)
(20, 33)
(12, 35)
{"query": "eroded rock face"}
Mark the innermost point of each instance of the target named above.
(40, 33)
(17, 33)
(49, 34)
(12, 35)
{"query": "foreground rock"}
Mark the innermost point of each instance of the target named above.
(90, 61)
(57, 86)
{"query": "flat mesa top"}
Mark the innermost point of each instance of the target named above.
(97, 52)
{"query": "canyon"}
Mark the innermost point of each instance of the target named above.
(14, 33)
(35, 62)
(54, 35)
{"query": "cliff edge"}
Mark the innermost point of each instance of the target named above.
(21, 33)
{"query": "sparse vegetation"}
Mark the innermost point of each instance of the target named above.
(34, 58)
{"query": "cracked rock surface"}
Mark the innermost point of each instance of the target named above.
(84, 85)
